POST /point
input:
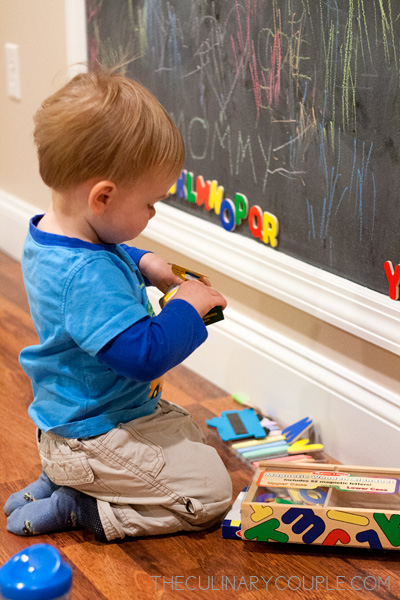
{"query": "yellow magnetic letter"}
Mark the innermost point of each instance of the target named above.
(216, 196)
(270, 229)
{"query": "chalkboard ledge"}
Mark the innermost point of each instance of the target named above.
(365, 313)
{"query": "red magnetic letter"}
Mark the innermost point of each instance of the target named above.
(393, 279)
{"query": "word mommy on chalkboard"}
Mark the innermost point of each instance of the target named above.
(292, 108)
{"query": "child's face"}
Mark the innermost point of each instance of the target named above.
(133, 207)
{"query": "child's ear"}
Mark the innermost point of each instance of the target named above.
(100, 196)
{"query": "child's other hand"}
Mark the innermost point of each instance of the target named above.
(205, 280)
(200, 295)
(158, 272)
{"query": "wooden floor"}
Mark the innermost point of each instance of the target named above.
(195, 565)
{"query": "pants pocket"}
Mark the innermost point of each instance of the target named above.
(124, 448)
(63, 464)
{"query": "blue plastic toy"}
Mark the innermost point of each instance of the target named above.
(238, 424)
(297, 430)
(36, 573)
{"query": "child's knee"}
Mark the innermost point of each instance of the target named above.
(212, 513)
(217, 500)
(218, 484)
(224, 489)
(225, 494)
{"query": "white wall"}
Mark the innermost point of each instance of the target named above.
(296, 340)
(40, 35)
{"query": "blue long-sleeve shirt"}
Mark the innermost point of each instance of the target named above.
(101, 349)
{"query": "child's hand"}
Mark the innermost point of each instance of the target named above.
(158, 272)
(200, 295)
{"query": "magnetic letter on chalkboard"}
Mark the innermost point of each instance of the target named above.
(202, 192)
(255, 221)
(181, 191)
(270, 229)
(191, 195)
(393, 277)
(241, 208)
(227, 214)
(216, 196)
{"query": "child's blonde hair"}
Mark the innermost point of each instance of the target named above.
(104, 125)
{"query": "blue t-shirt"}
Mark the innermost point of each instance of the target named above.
(81, 296)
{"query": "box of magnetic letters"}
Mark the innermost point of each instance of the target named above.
(323, 504)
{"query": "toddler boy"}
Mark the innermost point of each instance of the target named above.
(117, 459)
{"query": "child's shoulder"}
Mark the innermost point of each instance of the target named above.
(58, 256)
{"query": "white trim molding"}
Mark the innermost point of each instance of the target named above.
(351, 307)
(76, 36)
(358, 310)
(14, 219)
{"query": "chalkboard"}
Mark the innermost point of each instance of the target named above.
(291, 103)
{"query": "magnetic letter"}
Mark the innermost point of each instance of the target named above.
(295, 431)
(302, 446)
(202, 192)
(241, 208)
(393, 279)
(227, 214)
(191, 195)
(216, 196)
(255, 221)
(270, 229)
(180, 185)
(316, 496)
(172, 190)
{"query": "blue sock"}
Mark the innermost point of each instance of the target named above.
(64, 509)
(41, 488)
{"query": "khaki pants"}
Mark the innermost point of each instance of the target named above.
(153, 475)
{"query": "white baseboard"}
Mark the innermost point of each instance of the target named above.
(357, 420)
(14, 219)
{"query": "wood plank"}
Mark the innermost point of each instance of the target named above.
(11, 284)
(123, 574)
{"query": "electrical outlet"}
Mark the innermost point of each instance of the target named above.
(13, 71)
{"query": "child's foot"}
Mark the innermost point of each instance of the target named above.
(64, 509)
(39, 489)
